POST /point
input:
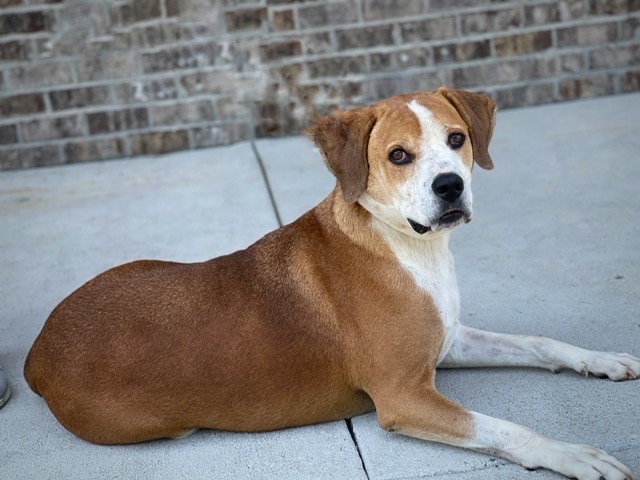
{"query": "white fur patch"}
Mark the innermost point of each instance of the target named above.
(440, 158)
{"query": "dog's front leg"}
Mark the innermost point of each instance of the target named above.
(424, 413)
(478, 348)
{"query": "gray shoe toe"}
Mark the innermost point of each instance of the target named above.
(5, 391)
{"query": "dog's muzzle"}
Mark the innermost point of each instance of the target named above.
(417, 227)
(449, 218)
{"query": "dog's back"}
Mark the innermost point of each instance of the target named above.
(146, 330)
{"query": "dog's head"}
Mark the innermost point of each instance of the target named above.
(408, 159)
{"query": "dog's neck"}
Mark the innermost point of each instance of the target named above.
(427, 260)
(376, 236)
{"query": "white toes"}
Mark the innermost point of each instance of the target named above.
(610, 468)
(576, 461)
(615, 366)
(590, 463)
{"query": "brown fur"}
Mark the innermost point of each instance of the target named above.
(478, 112)
(316, 321)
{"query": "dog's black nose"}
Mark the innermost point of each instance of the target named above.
(448, 186)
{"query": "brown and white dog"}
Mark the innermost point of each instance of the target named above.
(350, 308)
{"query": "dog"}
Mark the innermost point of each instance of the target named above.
(348, 309)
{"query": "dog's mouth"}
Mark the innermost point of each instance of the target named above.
(417, 227)
(449, 218)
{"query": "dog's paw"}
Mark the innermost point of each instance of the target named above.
(615, 366)
(575, 461)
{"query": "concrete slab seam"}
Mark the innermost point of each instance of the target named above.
(355, 443)
(263, 171)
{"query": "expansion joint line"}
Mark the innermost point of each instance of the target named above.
(355, 442)
(277, 214)
(267, 183)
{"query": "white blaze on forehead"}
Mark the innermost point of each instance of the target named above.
(433, 145)
(428, 123)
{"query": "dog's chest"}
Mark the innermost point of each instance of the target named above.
(432, 267)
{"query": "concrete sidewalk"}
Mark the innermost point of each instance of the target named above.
(553, 250)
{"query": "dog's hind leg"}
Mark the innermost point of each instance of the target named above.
(478, 348)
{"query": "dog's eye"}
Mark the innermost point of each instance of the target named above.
(399, 156)
(456, 140)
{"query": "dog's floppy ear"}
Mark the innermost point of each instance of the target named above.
(343, 138)
(479, 113)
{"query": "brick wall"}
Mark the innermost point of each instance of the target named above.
(86, 80)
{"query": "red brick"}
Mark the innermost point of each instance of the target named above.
(103, 67)
(584, 35)
(146, 91)
(159, 142)
(383, 9)
(490, 21)
(216, 82)
(532, 94)
(630, 81)
(279, 50)
(316, 43)
(30, 157)
(214, 135)
(381, 62)
(614, 57)
(613, 7)
(430, 29)
(282, 21)
(117, 120)
(593, 86)
(230, 108)
(15, 50)
(630, 28)
(41, 74)
(52, 128)
(79, 97)
(174, 7)
(460, 52)
(182, 57)
(439, 5)
(89, 150)
(246, 19)
(269, 119)
(374, 89)
(180, 113)
(523, 43)
(27, 22)
(328, 14)
(8, 134)
(489, 74)
(365, 37)
(572, 63)
(546, 13)
(542, 67)
(140, 10)
(336, 67)
(26, 104)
